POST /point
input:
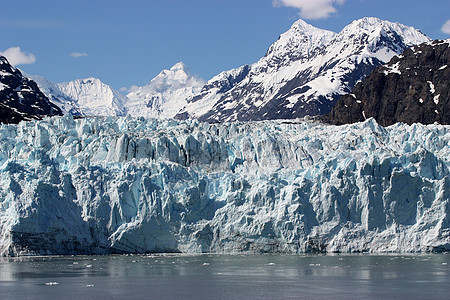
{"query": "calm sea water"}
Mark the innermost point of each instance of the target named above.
(227, 277)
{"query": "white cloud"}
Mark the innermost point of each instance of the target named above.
(446, 27)
(311, 9)
(133, 88)
(16, 57)
(78, 54)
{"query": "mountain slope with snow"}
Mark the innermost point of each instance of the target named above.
(412, 88)
(20, 97)
(94, 98)
(136, 185)
(87, 97)
(303, 73)
(165, 94)
(56, 96)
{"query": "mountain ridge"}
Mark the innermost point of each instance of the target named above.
(303, 73)
(300, 86)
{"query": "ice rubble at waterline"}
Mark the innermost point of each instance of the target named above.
(135, 185)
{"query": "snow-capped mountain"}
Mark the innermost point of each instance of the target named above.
(412, 88)
(139, 185)
(94, 98)
(87, 97)
(165, 94)
(55, 95)
(303, 73)
(20, 98)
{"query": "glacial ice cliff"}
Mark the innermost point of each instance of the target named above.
(135, 185)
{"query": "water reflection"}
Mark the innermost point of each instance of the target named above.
(226, 276)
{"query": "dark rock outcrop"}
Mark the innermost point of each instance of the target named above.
(20, 97)
(412, 88)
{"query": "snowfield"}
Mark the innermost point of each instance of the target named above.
(135, 185)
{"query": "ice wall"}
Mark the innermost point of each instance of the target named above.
(124, 185)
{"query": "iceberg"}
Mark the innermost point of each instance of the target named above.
(134, 185)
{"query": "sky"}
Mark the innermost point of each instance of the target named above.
(125, 43)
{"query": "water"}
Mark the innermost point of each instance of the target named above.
(424, 276)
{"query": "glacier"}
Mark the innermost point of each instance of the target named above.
(134, 185)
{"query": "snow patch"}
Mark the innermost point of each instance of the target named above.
(394, 69)
(3, 86)
(432, 89)
(436, 99)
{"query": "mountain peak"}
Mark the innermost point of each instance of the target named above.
(90, 80)
(180, 66)
(375, 27)
(299, 42)
(165, 94)
(302, 25)
(370, 24)
(368, 21)
(178, 74)
(3, 60)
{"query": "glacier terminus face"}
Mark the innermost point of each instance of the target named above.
(135, 185)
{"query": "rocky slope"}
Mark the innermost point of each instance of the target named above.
(20, 98)
(165, 94)
(412, 88)
(303, 73)
(124, 185)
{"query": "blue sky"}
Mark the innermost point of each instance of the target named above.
(129, 42)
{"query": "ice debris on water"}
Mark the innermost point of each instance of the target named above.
(135, 185)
